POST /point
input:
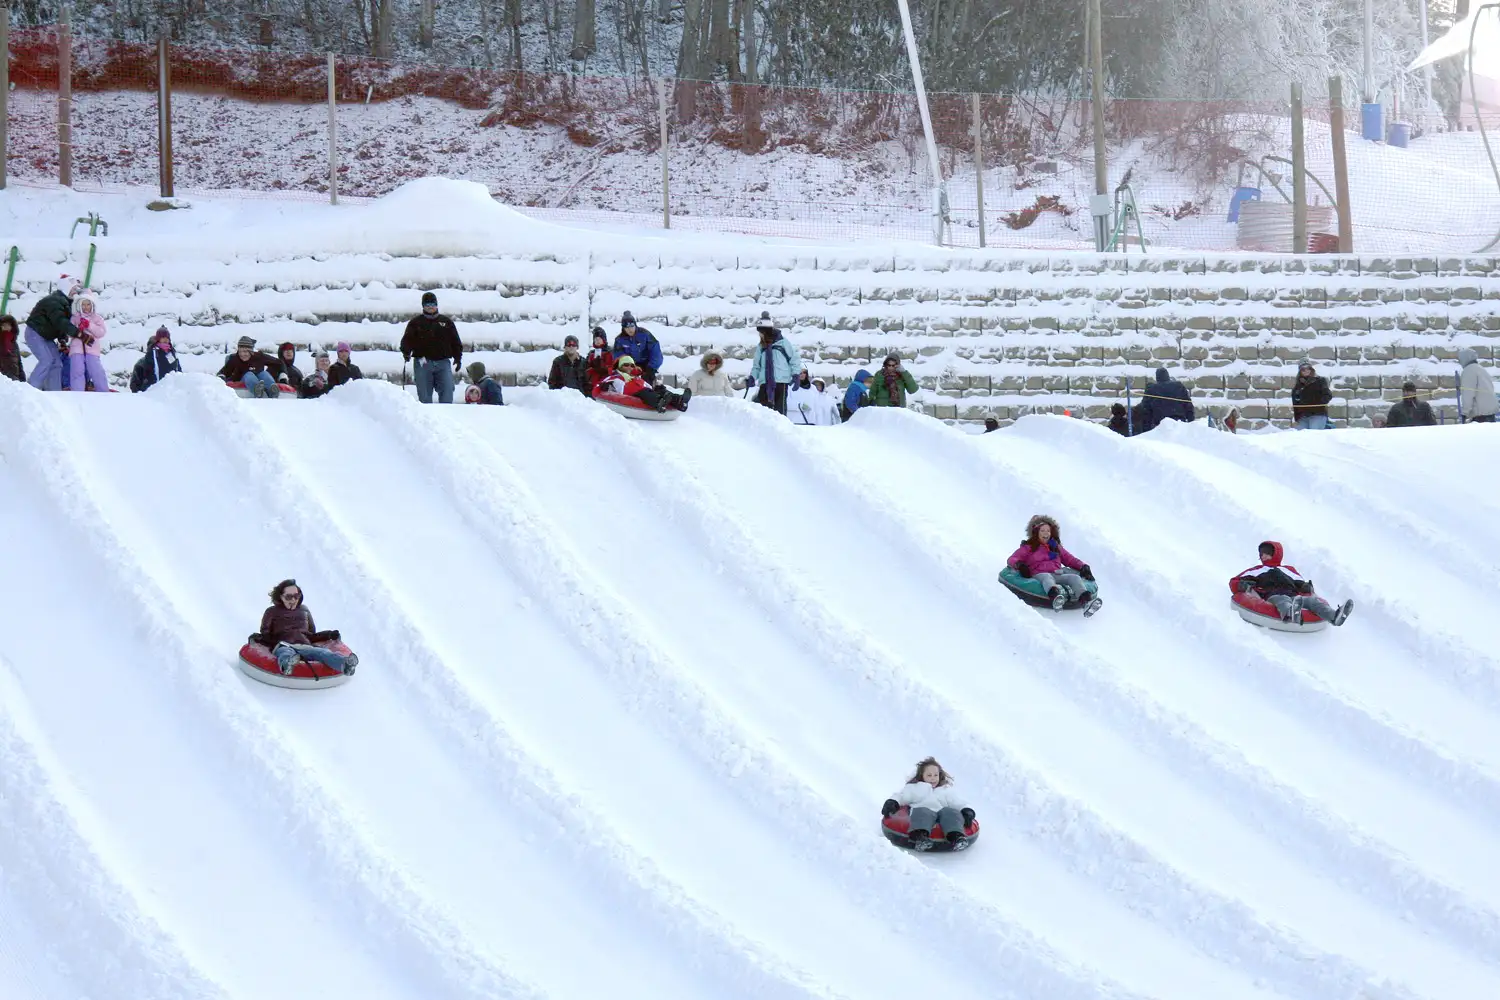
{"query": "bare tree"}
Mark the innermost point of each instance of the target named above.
(585, 39)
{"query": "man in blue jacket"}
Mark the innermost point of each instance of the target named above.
(640, 344)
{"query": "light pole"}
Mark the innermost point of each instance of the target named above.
(939, 190)
(1099, 206)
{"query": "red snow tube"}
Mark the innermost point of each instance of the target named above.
(287, 392)
(257, 662)
(897, 828)
(1258, 611)
(632, 407)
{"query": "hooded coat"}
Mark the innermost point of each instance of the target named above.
(1166, 399)
(858, 393)
(643, 348)
(1476, 389)
(1039, 558)
(706, 383)
(1310, 396)
(10, 350)
(1272, 576)
(158, 361)
(891, 392)
(91, 325)
(812, 407)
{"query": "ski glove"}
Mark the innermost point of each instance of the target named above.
(458, 365)
(1087, 573)
(1024, 570)
(891, 805)
(1247, 586)
(968, 815)
(749, 381)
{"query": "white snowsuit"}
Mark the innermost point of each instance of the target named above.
(1476, 389)
(812, 406)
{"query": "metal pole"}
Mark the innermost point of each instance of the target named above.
(1370, 51)
(164, 114)
(917, 81)
(1129, 411)
(979, 168)
(1340, 165)
(1426, 70)
(1299, 174)
(662, 86)
(1099, 207)
(4, 85)
(333, 134)
(65, 98)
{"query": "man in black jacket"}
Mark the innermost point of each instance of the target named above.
(1411, 411)
(1166, 398)
(432, 339)
(569, 369)
(1310, 398)
(48, 330)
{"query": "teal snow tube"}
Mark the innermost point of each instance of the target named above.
(1028, 590)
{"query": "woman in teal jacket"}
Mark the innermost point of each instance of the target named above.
(777, 363)
(891, 384)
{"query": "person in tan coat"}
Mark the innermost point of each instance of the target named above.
(709, 379)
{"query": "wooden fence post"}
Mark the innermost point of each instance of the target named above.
(1299, 174)
(4, 85)
(666, 178)
(1340, 165)
(333, 134)
(65, 98)
(164, 114)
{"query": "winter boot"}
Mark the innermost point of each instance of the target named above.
(682, 401)
(1342, 614)
(1058, 597)
(350, 662)
(955, 836)
(661, 403)
(921, 840)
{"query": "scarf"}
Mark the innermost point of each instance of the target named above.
(893, 385)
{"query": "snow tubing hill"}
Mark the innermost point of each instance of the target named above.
(257, 663)
(1258, 611)
(286, 391)
(897, 829)
(630, 406)
(1028, 590)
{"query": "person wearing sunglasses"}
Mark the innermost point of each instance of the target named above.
(287, 630)
(432, 339)
(891, 384)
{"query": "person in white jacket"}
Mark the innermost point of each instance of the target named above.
(933, 802)
(1476, 390)
(810, 405)
(709, 379)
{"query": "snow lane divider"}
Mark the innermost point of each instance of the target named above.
(319, 833)
(1146, 885)
(505, 513)
(1359, 862)
(47, 858)
(631, 880)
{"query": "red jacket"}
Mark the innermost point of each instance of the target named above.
(600, 363)
(1271, 577)
(617, 382)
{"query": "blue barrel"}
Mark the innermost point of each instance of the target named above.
(1398, 134)
(1370, 124)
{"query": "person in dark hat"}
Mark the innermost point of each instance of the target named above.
(432, 340)
(1119, 420)
(490, 392)
(892, 383)
(569, 369)
(286, 357)
(159, 361)
(253, 368)
(641, 345)
(1412, 411)
(1310, 399)
(600, 363)
(1166, 399)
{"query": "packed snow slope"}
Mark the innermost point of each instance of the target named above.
(630, 697)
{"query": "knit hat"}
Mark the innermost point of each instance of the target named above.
(625, 361)
(570, 341)
(597, 333)
(288, 346)
(764, 323)
(429, 298)
(891, 357)
(476, 371)
(246, 342)
(1408, 387)
(342, 347)
(628, 319)
(1305, 363)
(1162, 375)
(471, 394)
(320, 353)
(161, 332)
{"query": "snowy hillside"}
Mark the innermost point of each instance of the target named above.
(630, 698)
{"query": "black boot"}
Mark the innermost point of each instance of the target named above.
(682, 401)
(921, 840)
(955, 837)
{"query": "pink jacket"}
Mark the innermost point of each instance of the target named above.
(1044, 558)
(97, 329)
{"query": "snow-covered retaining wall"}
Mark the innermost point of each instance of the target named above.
(987, 333)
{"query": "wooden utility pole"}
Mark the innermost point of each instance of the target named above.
(65, 98)
(1096, 62)
(666, 177)
(1340, 165)
(333, 134)
(164, 113)
(4, 85)
(978, 165)
(1299, 174)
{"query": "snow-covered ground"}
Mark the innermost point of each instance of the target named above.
(630, 697)
(1438, 195)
